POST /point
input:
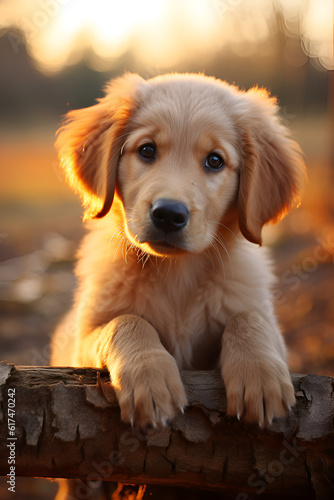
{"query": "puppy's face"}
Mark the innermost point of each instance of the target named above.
(178, 173)
(186, 155)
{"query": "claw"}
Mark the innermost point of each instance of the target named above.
(164, 421)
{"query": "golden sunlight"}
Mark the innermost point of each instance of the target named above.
(318, 35)
(161, 33)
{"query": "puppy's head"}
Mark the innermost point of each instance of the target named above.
(186, 155)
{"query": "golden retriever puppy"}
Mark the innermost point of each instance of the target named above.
(178, 175)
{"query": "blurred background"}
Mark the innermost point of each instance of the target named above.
(56, 55)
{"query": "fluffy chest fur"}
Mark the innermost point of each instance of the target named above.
(188, 300)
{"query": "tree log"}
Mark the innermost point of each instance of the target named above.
(67, 424)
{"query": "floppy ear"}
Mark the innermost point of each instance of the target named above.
(90, 141)
(273, 170)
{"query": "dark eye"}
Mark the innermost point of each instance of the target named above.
(214, 161)
(147, 151)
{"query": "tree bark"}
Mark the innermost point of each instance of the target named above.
(67, 424)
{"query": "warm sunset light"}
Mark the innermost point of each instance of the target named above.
(318, 37)
(161, 33)
(131, 209)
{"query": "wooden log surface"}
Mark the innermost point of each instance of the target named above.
(67, 424)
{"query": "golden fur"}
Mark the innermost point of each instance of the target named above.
(152, 301)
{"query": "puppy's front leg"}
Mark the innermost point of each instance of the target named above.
(255, 373)
(145, 376)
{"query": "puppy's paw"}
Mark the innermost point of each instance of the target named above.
(258, 391)
(149, 390)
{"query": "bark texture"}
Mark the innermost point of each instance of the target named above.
(67, 424)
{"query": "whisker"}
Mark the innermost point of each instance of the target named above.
(219, 241)
(219, 256)
(207, 251)
(124, 144)
(143, 257)
(223, 225)
(222, 243)
(119, 150)
(168, 270)
(118, 232)
(120, 242)
(122, 135)
(124, 250)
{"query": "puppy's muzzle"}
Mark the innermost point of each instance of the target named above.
(169, 215)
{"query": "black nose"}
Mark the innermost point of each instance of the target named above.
(169, 215)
